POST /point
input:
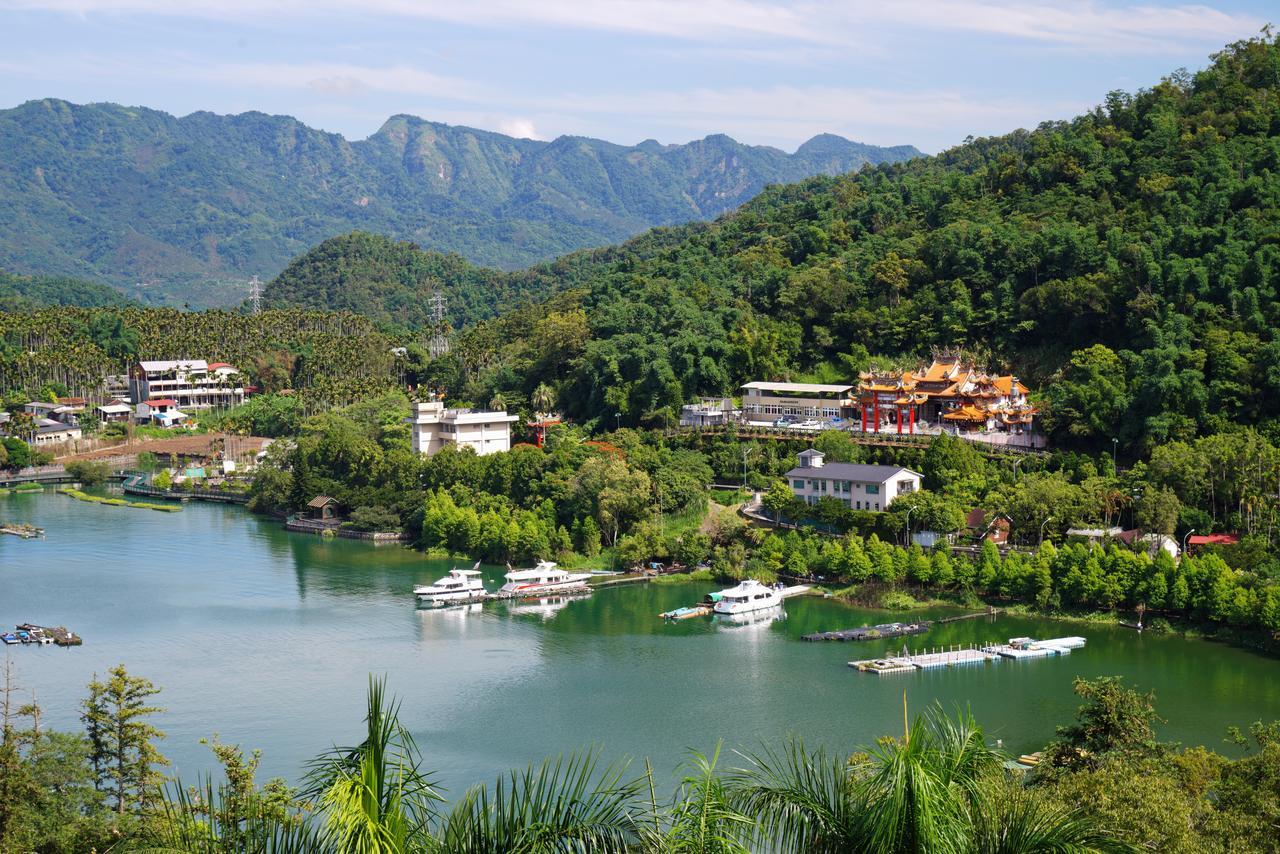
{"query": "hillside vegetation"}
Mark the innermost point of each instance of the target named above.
(1127, 259)
(193, 206)
(26, 293)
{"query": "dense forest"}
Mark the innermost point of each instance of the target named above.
(27, 293)
(1127, 261)
(192, 207)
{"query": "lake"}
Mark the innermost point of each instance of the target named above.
(268, 639)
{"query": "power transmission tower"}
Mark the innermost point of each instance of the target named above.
(255, 294)
(439, 343)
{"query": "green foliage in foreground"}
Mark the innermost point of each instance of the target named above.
(1105, 785)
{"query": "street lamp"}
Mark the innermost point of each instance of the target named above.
(1042, 524)
(1115, 443)
(1186, 537)
(746, 449)
(617, 421)
(909, 509)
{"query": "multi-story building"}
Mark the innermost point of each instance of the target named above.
(765, 401)
(434, 427)
(862, 487)
(191, 383)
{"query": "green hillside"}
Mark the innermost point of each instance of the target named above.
(1127, 259)
(25, 293)
(191, 207)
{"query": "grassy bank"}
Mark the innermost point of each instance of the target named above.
(118, 502)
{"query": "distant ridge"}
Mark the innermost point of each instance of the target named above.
(195, 205)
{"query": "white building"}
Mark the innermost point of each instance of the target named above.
(764, 402)
(862, 487)
(709, 412)
(192, 383)
(434, 427)
(161, 411)
(50, 432)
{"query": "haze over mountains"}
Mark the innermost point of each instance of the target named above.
(194, 206)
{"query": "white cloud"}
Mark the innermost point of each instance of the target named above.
(519, 128)
(1088, 25)
(339, 80)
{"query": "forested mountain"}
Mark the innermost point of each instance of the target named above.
(196, 205)
(1128, 260)
(25, 293)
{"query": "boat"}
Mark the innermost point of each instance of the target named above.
(460, 585)
(748, 596)
(542, 579)
(9, 638)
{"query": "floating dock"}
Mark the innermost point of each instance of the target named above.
(1016, 648)
(1019, 648)
(795, 590)
(30, 633)
(866, 633)
(18, 529)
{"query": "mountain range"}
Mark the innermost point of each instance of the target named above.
(187, 209)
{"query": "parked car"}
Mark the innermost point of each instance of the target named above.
(807, 425)
(784, 421)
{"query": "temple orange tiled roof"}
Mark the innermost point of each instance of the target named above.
(966, 413)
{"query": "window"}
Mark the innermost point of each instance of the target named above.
(797, 484)
(877, 505)
(906, 487)
(859, 505)
(873, 489)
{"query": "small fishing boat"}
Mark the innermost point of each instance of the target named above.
(748, 596)
(460, 585)
(545, 578)
(9, 638)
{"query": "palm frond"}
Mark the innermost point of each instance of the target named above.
(561, 805)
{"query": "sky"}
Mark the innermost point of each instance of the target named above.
(921, 72)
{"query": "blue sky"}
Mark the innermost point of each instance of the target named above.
(925, 72)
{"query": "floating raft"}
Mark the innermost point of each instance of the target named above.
(1016, 648)
(686, 613)
(31, 633)
(22, 530)
(866, 633)
(1019, 648)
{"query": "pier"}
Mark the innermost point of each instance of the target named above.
(21, 529)
(956, 656)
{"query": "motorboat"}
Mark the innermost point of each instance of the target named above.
(543, 579)
(460, 585)
(748, 596)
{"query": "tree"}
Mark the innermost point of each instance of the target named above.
(1090, 398)
(1157, 510)
(778, 499)
(1112, 720)
(373, 795)
(123, 757)
(88, 472)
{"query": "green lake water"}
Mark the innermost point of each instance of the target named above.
(267, 638)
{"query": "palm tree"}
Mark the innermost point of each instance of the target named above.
(543, 399)
(372, 796)
(497, 403)
(937, 789)
(701, 820)
(802, 800)
(561, 805)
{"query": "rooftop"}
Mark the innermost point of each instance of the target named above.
(817, 388)
(174, 364)
(851, 471)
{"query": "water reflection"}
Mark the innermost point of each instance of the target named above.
(752, 619)
(545, 607)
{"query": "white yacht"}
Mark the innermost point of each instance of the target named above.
(748, 596)
(460, 585)
(544, 578)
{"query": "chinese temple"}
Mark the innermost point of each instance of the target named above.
(949, 391)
